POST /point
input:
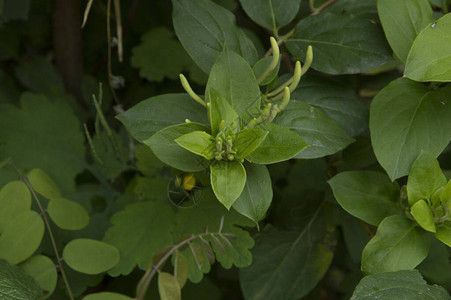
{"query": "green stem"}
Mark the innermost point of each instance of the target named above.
(445, 6)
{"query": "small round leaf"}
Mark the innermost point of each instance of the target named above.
(15, 198)
(43, 184)
(67, 214)
(168, 287)
(43, 270)
(90, 256)
(106, 296)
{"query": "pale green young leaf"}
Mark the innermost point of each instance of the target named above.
(324, 135)
(256, 197)
(204, 28)
(445, 196)
(337, 43)
(15, 198)
(402, 20)
(399, 244)
(279, 145)
(234, 80)
(422, 213)
(429, 58)
(43, 270)
(406, 284)
(43, 184)
(425, 178)
(153, 114)
(227, 180)
(90, 256)
(106, 296)
(444, 233)
(367, 195)
(198, 142)
(220, 109)
(16, 284)
(260, 67)
(405, 118)
(21, 237)
(247, 141)
(168, 151)
(180, 269)
(67, 214)
(168, 287)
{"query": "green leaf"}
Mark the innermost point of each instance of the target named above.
(256, 197)
(204, 28)
(168, 151)
(15, 198)
(367, 195)
(398, 285)
(90, 256)
(436, 267)
(43, 270)
(422, 213)
(337, 42)
(302, 255)
(180, 269)
(43, 184)
(153, 114)
(137, 233)
(106, 296)
(67, 214)
(227, 180)
(15, 284)
(198, 142)
(260, 67)
(168, 287)
(399, 244)
(366, 9)
(159, 55)
(445, 196)
(429, 58)
(405, 118)
(247, 141)
(444, 233)
(402, 20)
(425, 178)
(234, 80)
(338, 102)
(271, 14)
(59, 148)
(220, 109)
(279, 145)
(21, 237)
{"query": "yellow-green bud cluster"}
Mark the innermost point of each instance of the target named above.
(224, 142)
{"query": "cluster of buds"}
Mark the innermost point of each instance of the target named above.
(224, 142)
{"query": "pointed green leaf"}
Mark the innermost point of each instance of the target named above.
(425, 178)
(15, 284)
(405, 118)
(43, 270)
(367, 195)
(227, 180)
(402, 20)
(247, 141)
(220, 109)
(234, 79)
(279, 145)
(422, 213)
(180, 269)
(21, 237)
(106, 296)
(429, 58)
(67, 214)
(168, 287)
(399, 244)
(168, 151)
(256, 197)
(445, 197)
(444, 233)
(43, 184)
(198, 142)
(90, 256)
(15, 198)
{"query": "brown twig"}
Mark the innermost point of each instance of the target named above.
(323, 7)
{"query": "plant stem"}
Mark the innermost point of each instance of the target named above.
(49, 229)
(323, 7)
(445, 6)
(108, 33)
(280, 41)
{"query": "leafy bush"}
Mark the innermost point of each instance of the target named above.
(225, 149)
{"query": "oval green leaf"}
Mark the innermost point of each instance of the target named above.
(422, 213)
(21, 237)
(43, 184)
(67, 214)
(106, 296)
(15, 198)
(227, 180)
(90, 256)
(198, 142)
(220, 109)
(16, 284)
(168, 287)
(429, 58)
(247, 141)
(180, 269)
(256, 197)
(43, 270)
(444, 233)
